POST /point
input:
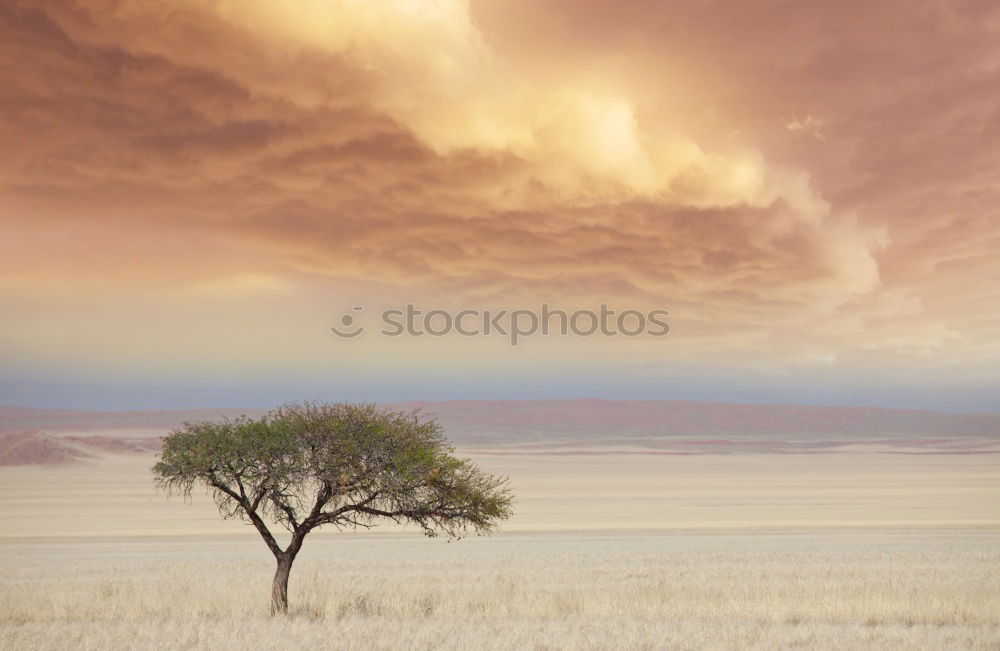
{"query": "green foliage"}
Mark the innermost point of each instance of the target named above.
(348, 465)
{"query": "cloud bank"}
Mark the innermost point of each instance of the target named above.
(801, 186)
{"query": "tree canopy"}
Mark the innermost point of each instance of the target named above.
(345, 465)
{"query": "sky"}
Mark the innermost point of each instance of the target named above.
(193, 192)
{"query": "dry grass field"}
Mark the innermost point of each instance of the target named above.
(606, 551)
(887, 589)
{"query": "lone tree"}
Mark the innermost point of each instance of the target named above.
(345, 465)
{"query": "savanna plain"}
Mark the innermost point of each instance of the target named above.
(857, 549)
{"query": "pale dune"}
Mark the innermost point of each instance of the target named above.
(113, 495)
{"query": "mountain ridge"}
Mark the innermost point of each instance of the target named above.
(586, 425)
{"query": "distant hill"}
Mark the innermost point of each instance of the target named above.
(31, 448)
(38, 448)
(596, 420)
(13, 419)
(591, 426)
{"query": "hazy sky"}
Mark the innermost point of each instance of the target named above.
(193, 192)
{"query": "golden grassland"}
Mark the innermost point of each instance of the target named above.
(616, 551)
(750, 589)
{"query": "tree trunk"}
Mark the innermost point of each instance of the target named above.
(279, 589)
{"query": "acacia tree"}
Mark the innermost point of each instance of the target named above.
(345, 465)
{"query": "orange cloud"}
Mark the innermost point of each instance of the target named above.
(513, 153)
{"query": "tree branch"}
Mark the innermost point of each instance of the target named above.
(284, 508)
(259, 524)
(322, 497)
